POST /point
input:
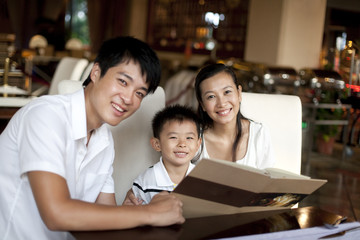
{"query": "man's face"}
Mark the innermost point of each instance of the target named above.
(115, 96)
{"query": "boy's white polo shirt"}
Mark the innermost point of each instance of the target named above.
(154, 180)
(49, 134)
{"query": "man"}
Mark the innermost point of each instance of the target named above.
(57, 153)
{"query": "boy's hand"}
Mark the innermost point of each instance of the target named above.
(166, 209)
(130, 199)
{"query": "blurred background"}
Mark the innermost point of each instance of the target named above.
(307, 48)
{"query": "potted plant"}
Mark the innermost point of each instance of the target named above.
(326, 134)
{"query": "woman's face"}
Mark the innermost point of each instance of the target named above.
(220, 98)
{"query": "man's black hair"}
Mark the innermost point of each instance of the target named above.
(125, 49)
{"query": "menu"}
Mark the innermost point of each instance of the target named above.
(218, 187)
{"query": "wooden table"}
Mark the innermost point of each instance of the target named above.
(5, 116)
(8, 112)
(223, 226)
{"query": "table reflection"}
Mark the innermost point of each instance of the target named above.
(223, 226)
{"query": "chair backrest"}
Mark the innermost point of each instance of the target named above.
(86, 72)
(283, 116)
(69, 86)
(68, 68)
(133, 152)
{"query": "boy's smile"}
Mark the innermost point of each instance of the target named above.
(178, 142)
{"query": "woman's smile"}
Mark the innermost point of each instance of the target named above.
(224, 112)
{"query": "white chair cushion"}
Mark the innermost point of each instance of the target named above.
(283, 116)
(69, 86)
(68, 68)
(86, 72)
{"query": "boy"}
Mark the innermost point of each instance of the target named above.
(57, 153)
(176, 131)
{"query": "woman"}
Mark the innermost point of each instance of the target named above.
(227, 134)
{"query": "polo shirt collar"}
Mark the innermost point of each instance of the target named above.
(161, 175)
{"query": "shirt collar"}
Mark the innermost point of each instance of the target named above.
(161, 175)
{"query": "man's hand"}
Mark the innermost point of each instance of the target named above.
(62, 213)
(166, 209)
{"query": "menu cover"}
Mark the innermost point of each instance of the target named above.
(217, 187)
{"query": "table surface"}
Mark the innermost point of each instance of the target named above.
(224, 226)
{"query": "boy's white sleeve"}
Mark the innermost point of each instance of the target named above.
(138, 190)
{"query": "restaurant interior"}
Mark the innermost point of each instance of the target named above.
(304, 48)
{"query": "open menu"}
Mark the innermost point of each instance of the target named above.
(217, 187)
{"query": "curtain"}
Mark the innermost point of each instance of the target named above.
(106, 20)
(30, 17)
(22, 17)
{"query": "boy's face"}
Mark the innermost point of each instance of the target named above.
(178, 142)
(115, 96)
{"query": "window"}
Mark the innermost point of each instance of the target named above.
(76, 21)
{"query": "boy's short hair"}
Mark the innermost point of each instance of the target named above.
(174, 113)
(125, 49)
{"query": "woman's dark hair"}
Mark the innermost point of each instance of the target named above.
(205, 73)
(125, 49)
